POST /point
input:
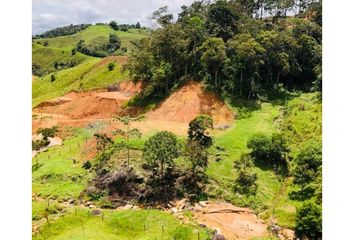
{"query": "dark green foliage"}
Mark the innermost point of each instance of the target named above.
(308, 163)
(309, 221)
(160, 151)
(197, 130)
(113, 25)
(111, 66)
(87, 165)
(52, 78)
(102, 141)
(270, 152)
(38, 144)
(235, 54)
(62, 31)
(245, 182)
(198, 155)
(103, 50)
(222, 20)
(73, 51)
(36, 70)
(48, 132)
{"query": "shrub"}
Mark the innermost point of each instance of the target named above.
(245, 182)
(270, 151)
(52, 78)
(48, 132)
(197, 130)
(111, 66)
(309, 221)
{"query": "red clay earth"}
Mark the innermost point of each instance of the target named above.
(80, 108)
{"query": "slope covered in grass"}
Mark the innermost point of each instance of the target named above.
(46, 57)
(56, 175)
(89, 75)
(95, 35)
(138, 225)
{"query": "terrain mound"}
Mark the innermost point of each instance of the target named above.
(90, 104)
(188, 102)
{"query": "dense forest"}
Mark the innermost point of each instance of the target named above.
(238, 48)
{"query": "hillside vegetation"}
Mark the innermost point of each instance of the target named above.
(46, 60)
(92, 74)
(94, 35)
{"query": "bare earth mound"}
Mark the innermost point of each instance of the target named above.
(188, 102)
(80, 108)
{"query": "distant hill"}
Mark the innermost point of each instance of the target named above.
(94, 35)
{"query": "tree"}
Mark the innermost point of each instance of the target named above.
(160, 151)
(309, 221)
(213, 56)
(137, 25)
(245, 182)
(222, 20)
(198, 155)
(162, 17)
(308, 163)
(114, 25)
(48, 132)
(246, 56)
(197, 130)
(127, 120)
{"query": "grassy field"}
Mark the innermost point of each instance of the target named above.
(89, 75)
(57, 177)
(299, 120)
(95, 35)
(129, 224)
(45, 57)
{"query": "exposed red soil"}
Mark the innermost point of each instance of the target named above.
(188, 102)
(77, 109)
(230, 221)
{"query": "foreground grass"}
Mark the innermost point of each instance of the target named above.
(79, 224)
(57, 176)
(89, 75)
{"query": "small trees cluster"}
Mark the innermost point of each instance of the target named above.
(309, 221)
(245, 182)
(113, 44)
(161, 150)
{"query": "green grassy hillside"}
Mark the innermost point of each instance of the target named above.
(91, 74)
(95, 35)
(46, 57)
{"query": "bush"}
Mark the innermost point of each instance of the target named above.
(48, 132)
(52, 78)
(308, 163)
(111, 66)
(309, 221)
(197, 130)
(270, 151)
(245, 182)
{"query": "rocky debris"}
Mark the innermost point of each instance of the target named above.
(96, 212)
(218, 237)
(222, 127)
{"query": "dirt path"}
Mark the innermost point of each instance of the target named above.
(230, 221)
